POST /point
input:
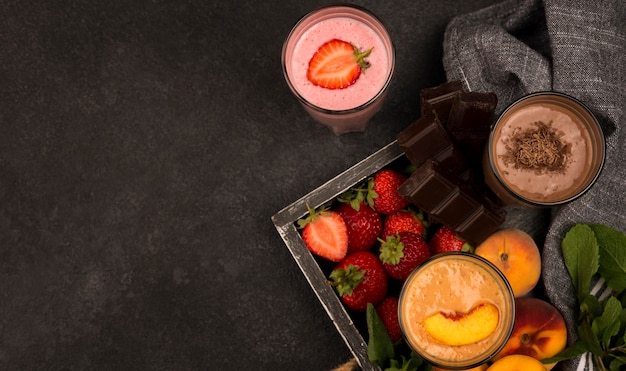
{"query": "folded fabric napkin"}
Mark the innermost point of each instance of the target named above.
(571, 46)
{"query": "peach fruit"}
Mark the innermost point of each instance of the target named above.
(517, 256)
(462, 329)
(517, 362)
(482, 367)
(539, 330)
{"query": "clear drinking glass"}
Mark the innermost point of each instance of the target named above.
(348, 109)
(453, 284)
(545, 149)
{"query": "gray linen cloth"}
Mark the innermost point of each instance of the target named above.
(574, 47)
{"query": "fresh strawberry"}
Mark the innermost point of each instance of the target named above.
(337, 64)
(360, 279)
(405, 220)
(387, 310)
(364, 224)
(402, 253)
(445, 239)
(382, 191)
(325, 234)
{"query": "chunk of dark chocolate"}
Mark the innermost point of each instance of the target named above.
(455, 208)
(452, 159)
(482, 223)
(471, 143)
(440, 98)
(423, 138)
(472, 111)
(429, 184)
(450, 200)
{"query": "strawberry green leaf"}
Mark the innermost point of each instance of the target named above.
(352, 197)
(581, 255)
(345, 280)
(371, 194)
(467, 247)
(379, 347)
(391, 250)
(313, 214)
(612, 256)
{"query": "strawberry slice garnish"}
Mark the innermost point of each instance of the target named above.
(325, 234)
(337, 64)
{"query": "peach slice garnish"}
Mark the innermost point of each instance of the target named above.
(463, 328)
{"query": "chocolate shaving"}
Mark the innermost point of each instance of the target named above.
(540, 149)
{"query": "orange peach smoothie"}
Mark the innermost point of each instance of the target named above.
(454, 284)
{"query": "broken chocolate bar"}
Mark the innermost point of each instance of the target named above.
(483, 222)
(471, 111)
(440, 98)
(452, 159)
(457, 206)
(423, 138)
(428, 185)
(450, 200)
(469, 123)
(446, 145)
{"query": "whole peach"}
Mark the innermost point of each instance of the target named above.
(482, 367)
(517, 362)
(516, 254)
(539, 330)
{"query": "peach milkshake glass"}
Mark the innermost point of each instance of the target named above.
(456, 310)
(342, 108)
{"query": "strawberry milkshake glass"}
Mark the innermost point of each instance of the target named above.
(342, 108)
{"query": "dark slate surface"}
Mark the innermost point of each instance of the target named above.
(144, 147)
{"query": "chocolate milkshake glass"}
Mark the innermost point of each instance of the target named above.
(346, 109)
(545, 149)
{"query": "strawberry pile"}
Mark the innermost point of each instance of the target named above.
(374, 239)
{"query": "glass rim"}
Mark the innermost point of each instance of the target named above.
(601, 145)
(392, 62)
(509, 297)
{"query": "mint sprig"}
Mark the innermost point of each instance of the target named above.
(383, 353)
(590, 250)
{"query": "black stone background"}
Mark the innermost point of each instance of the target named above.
(144, 147)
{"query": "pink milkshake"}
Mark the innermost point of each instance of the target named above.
(345, 109)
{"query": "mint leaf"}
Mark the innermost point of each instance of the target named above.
(581, 255)
(617, 363)
(570, 352)
(590, 339)
(591, 305)
(608, 324)
(612, 256)
(411, 364)
(379, 347)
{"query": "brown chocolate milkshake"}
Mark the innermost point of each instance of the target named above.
(545, 149)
